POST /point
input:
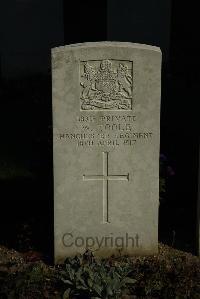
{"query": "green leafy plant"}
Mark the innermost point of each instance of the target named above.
(94, 279)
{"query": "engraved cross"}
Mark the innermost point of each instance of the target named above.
(105, 177)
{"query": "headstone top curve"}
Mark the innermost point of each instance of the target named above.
(106, 44)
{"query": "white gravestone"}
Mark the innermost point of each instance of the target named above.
(106, 114)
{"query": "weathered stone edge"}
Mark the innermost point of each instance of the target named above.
(106, 44)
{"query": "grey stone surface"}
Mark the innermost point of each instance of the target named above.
(106, 114)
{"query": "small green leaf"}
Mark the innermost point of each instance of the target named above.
(98, 289)
(129, 280)
(66, 281)
(109, 291)
(89, 281)
(66, 294)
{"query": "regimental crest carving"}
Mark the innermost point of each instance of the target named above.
(106, 85)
